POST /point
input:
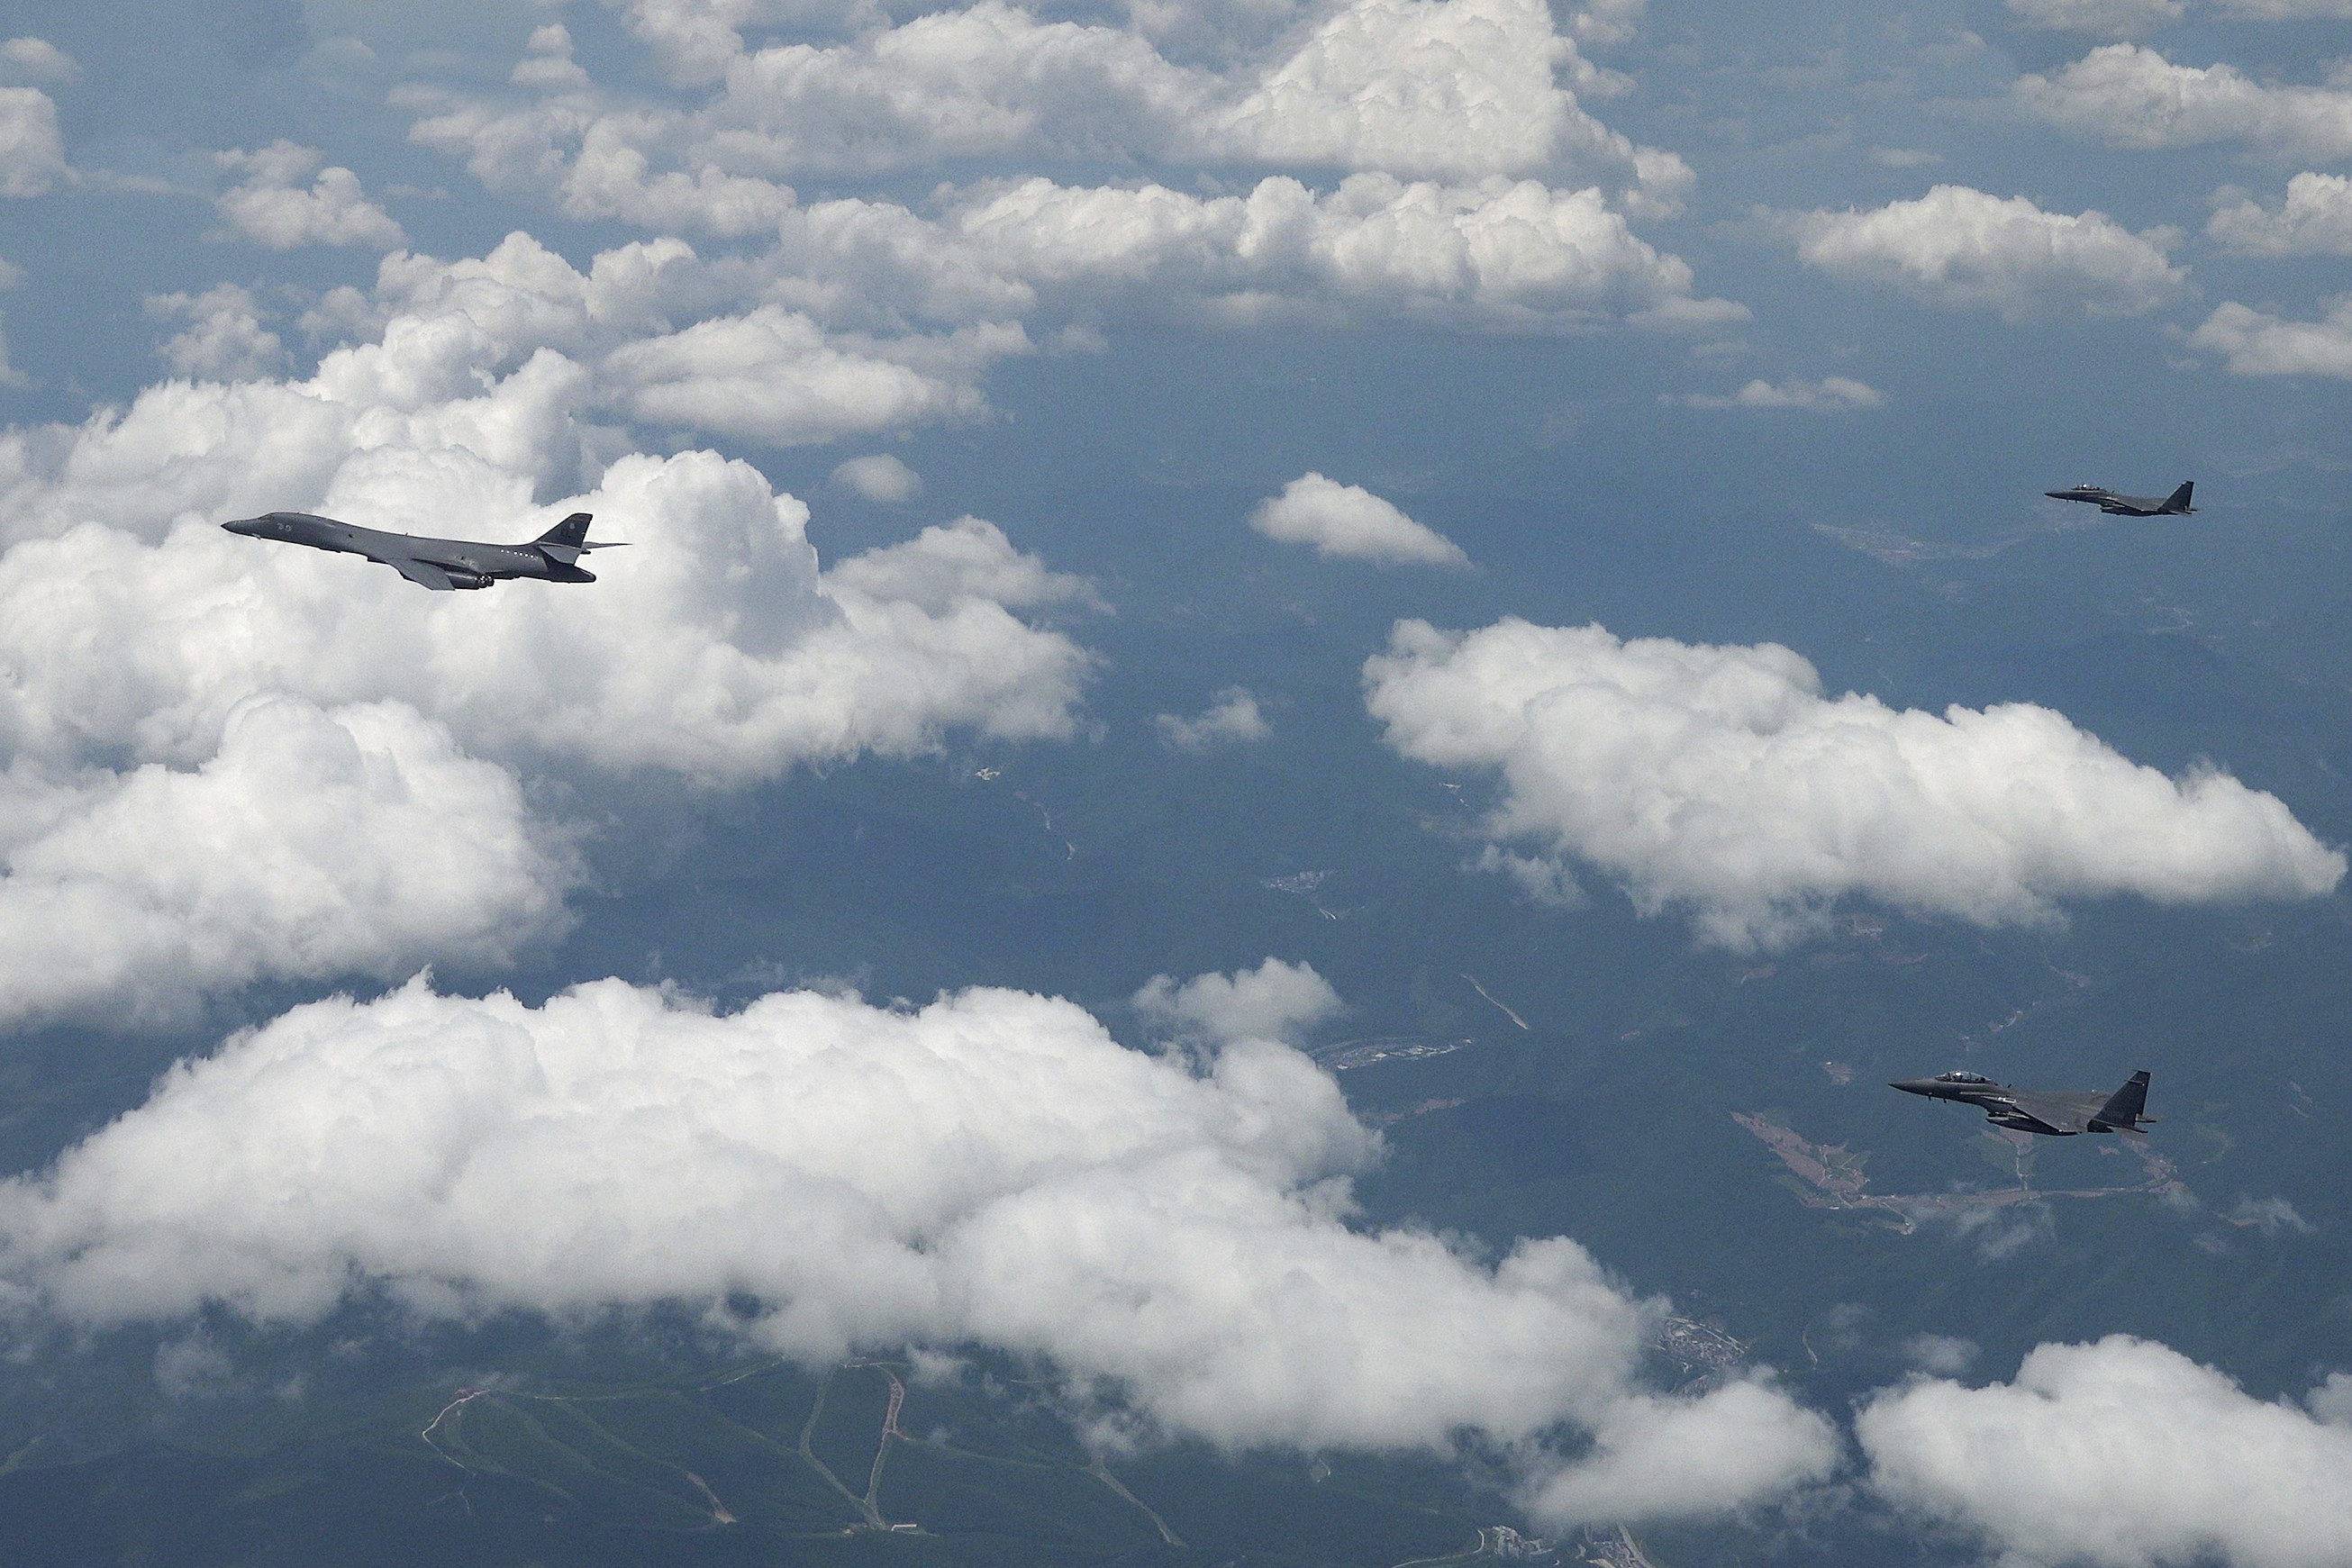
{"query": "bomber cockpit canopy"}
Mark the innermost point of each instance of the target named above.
(1962, 1078)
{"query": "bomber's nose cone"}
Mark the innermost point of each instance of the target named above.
(244, 526)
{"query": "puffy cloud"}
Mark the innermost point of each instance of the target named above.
(2099, 18)
(1350, 522)
(2123, 1454)
(2289, 10)
(1713, 1454)
(32, 152)
(950, 563)
(719, 650)
(10, 276)
(1172, 1226)
(502, 364)
(1274, 1001)
(311, 845)
(2127, 95)
(1231, 719)
(1544, 881)
(1962, 249)
(773, 376)
(1831, 394)
(1605, 22)
(225, 338)
(1943, 1355)
(1722, 780)
(1500, 253)
(136, 632)
(2257, 344)
(880, 478)
(1432, 86)
(39, 57)
(2315, 220)
(1453, 89)
(269, 206)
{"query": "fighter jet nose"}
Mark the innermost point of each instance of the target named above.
(1911, 1085)
(243, 526)
(2055, 494)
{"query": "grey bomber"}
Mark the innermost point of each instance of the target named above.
(437, 564)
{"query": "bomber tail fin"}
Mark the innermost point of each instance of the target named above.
(571, 533)
(2178, 500)
(2122, 1111)
(568, 541)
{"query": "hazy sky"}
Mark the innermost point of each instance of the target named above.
(717, 269)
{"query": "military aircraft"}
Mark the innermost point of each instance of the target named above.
(2173, 506)
(437, 564)
(2059, 1113)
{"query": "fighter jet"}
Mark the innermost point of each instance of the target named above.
(2059, 1112)
(2173, 506)
(438, 564)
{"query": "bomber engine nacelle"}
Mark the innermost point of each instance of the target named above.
(467, 578)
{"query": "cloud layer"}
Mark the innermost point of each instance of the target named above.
(1721, 780)
(993, 1168)
(2123, 1454)
(149, 661)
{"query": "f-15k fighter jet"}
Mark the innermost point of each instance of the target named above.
(438, 564)
(2059, 1112)
(2173, 506)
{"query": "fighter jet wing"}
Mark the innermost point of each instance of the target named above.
(423, 573)
(2058, 1112)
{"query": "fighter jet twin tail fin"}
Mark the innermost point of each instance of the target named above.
(2121, 1113)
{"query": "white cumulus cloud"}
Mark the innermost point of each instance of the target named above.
(39, 57)
(224, 339)
(311, 845)
(879, 477)
(2122, 1453)
(2256, 343)
(2098, 18)
(32, 150)
(1231, 719)
(2289, 10)
(1453, 89)
(2315, 219)
(1961, 249)
(1722, 780)
(1274, 1001)
(1349, 522)
(1831, 394)
(2127, 95)
(993, 1168)
(133, 632)
(270, 206)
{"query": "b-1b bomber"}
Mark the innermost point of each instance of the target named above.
(440, 565)
(2053, 1112)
